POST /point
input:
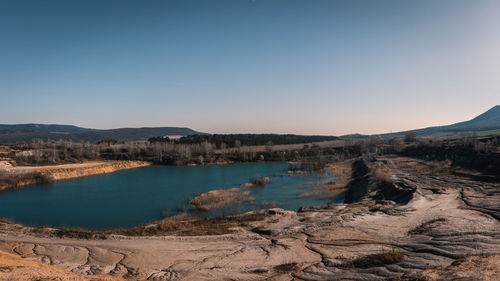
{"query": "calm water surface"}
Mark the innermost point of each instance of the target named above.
(133, 197)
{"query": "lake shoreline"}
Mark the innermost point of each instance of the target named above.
(374, 237)
(159, 191)
(214, 196)
(30, 175)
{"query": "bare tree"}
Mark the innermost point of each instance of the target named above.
(410, 138)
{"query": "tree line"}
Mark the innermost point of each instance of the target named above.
(164, 151)
(237, 140)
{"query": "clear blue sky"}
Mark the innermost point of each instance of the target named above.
(306, 67)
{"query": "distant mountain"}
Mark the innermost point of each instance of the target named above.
(354, 136)
(43, 128)
(29, 132)
(488, 121)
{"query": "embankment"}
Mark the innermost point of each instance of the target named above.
(26, 175)
(371, 182)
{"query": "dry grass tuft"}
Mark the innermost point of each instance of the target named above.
(259, 271)
(259, 181)
(376, 260)
(287, 267)
(426, 226)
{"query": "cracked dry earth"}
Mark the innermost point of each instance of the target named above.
(448, 220)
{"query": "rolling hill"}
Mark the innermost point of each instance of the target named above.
(29, 132)
(488, 121)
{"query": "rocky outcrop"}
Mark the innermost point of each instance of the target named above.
(358, 187)
(369, 184)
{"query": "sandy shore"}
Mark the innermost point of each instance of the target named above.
(69, 171)
(34, 174)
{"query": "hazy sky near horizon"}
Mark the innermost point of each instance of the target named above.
(243, 66)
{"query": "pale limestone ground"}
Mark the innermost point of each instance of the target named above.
(13, 268)
(182, 258)
(470, 268)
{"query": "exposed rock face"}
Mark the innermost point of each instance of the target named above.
(434, 228)
(359, 185)
(446, 219)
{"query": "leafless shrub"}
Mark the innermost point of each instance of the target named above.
(259, 181)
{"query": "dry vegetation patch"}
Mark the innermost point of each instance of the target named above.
(179, 225)
(287, 267)
(426, 226)
(196, 227)
(376, 260)
(257, 181)
(12, 179)
(220, 198)
(331, 189)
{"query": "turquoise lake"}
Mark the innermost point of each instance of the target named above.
(133, 197)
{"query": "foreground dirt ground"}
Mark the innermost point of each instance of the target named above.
(12, 267)
(443, 227)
